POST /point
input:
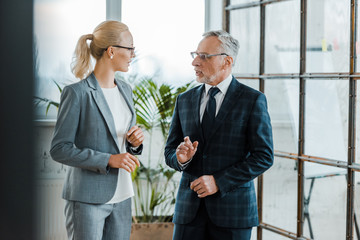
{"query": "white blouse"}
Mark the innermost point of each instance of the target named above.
(122, 118)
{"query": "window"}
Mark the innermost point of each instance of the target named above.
(165, 32)
(298, 52)
(58, 24)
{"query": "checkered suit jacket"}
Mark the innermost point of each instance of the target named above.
(239, 149)
(84, 139)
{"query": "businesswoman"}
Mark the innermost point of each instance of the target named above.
(95, 135)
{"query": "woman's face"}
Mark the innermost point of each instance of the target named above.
(124, 54)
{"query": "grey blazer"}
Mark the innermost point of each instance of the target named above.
(84, 139)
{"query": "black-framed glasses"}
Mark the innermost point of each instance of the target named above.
(204, 56)
(132, 49)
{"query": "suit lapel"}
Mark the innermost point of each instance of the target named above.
(100, 101)
(128, 100)
(233, 93)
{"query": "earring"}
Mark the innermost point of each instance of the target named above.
(111, 57)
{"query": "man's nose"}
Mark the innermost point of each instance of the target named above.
(196, 62)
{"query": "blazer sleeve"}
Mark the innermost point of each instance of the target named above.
(175, 137)
(132, 150)
(63, 148)
(260, 157)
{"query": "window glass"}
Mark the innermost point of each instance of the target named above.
(357, 115)
(357, 202)
(326, 119)
(268, 235)
(282, 38)
(280, 195)
(326, 207)
(241, 1)
(357, 46)
(253, 83)
(164, 37)
(283, 104)
(58, 24)
(328, 33)
(248, 35)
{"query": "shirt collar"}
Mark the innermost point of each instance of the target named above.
(223, 85)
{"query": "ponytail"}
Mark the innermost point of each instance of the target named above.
(81, 66)
(105, 34)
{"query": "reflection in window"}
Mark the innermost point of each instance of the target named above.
(357, 46)
(357, 142)
(253, 83)
(326, 119)
(282, 41)
(280, 194)
(241, 1)
(326, 207)
(328, 36)
(283, 104)
(248, 36)
(58, 24)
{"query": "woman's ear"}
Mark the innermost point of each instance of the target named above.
(110, 52)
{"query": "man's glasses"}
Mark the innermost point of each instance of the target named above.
(204, 56)
(132, 49)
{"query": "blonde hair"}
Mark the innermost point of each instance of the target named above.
(105, 34)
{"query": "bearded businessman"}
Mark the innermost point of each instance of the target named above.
(221, 139)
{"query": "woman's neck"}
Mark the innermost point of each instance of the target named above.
(104, 75)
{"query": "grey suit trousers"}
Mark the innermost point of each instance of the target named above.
(86, 221)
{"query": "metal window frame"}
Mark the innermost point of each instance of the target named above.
(303, 76)
(113, 10)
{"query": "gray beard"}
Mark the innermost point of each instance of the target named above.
(205, 79)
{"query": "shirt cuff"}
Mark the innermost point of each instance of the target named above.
(134, 148)
(184, 165)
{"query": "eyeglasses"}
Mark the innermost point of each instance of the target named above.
(132, 49)
(205, 56)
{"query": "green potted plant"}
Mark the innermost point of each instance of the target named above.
(49, 102)
(154, 185)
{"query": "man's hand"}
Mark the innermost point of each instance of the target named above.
(125, 161)
(186, 150)
(204, 186)
(135, 136)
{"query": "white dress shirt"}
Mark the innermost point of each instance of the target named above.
(219, 98)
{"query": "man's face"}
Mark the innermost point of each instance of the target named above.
(208, 70)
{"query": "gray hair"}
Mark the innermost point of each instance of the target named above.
(228, 44)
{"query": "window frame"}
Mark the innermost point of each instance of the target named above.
(303, 76)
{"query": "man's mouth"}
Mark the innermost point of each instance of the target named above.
(198, 73)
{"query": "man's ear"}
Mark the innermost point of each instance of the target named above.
(228, 61)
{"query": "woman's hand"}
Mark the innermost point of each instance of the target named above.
(125, 161)
(135, 136)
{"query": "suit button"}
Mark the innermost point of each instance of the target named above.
(204, 157)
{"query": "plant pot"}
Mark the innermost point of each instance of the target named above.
(151, 231)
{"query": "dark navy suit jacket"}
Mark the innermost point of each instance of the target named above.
(239, 149)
